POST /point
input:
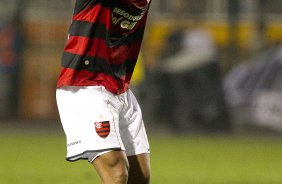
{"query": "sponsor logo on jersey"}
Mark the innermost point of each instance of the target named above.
(103, 128)
(124, 19)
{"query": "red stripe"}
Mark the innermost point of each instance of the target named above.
(94, 14)
(98, 48)
(71, 77)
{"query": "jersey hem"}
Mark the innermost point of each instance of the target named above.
(108, 88)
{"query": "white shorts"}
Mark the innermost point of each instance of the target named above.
(97, 121)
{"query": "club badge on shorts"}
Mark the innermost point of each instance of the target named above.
(103, 128)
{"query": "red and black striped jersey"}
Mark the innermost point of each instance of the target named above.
(104, 42)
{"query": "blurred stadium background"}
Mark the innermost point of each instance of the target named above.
(209, 81)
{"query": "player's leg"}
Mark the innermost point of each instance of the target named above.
(135, 140)
(112, 167)
(139, 172)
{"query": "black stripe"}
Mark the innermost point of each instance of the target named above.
(129, 8)
(88, 29)
(103, 131)
(126, 68)
(135, 37)
(75, 61)
(98, 65)
(98, 30)
(80, 5)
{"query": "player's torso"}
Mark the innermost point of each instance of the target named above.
(104, 39)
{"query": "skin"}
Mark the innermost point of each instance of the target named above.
(115, 168)
(139, 172)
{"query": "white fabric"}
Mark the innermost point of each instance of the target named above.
(81, 107)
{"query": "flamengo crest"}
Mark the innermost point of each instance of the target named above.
(103, 128)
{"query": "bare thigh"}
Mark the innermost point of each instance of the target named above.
(139, 169)
(112, 167)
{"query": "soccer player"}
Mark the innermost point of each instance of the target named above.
(100, 115)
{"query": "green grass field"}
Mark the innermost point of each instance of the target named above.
(38, 158)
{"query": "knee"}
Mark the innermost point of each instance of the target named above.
(120, 171)
(116, 175)
(120, 174)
